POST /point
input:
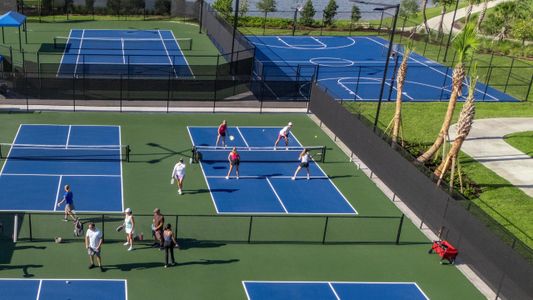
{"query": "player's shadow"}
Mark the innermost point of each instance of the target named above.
(224, 190)
(208, 262)
(193, 192)
(134, 266)
(186, 244)
(162, 154)
(24, 268)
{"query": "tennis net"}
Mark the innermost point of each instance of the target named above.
(257, 154)
(122, 43)
(63, 152)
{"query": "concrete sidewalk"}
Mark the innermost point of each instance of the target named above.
(486, 145)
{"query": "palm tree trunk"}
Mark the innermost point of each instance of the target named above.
(469, 11)
(399, 89)
(457, 85)
(442, 13)
(425, 17)
(482, 15)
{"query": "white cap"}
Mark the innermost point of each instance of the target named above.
(290, 123)
(127, 210)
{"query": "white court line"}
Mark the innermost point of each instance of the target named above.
(183, 54)
(320, 42)
(334, 291)
(126, 289)
(276, 194)
(245, 289)
(123, 51)
(438, 71)
(63, 279)
(166, 50)
(273, 177)
(64, 52)
(79, 51)
(9, 152)
(51, 175)
(244, 140)
(68, 136)
(121, 178)
(39, 290)
(57, 193)
(203, 172)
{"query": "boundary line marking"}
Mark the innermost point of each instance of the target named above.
(123, 51)
(9, 153)
(182, 54)
(79, 51)
(51, 175)
(334, 291)
(205, 177)
(57, 193)
(243, 138)
(166, 51)
(68, 136)
(39, 289)
(64, 52)
(276, 194)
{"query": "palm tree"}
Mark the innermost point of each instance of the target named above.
(482, 15)
(445, 4)
(464, 44)
(469, 8)
(400, 80)
(466, 119)
(424, 16)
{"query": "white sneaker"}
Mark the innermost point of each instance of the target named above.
(126, 243)
(227, 177)
(237, 177)
(308, 177)
(293, 178)
(179, 192)
(130, 248)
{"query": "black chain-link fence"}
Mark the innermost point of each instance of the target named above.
(503, 261)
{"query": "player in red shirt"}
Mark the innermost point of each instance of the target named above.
(222, 130)
(234, 160)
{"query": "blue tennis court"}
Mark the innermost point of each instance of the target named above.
(265, 185)
(44, 158)
(123, 52)
(53, 289)
(351, 69)
(324, 290)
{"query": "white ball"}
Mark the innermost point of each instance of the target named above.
(67, 282)
(231, 137)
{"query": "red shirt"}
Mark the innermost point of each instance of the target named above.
(222, 128)
(234, 156)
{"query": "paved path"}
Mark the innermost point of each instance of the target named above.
(486, 145)
(433, 23)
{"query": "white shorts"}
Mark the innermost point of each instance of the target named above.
(128, 230)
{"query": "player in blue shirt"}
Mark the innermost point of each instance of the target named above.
(69, 204)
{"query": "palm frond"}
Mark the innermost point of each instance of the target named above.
(465, 42)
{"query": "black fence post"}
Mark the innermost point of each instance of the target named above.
(168, 91)
(26, 92)
(325, 230)
(74, 91)
(529, 88)
(250, 229)
(201, 15)
(399, 232)
(176, 227)
(121, 96)
(509, 75)
(29, 224)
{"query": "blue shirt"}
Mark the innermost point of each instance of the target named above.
(68, 197)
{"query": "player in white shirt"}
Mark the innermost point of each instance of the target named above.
(284, 134)
(178, 174)
(304, 158)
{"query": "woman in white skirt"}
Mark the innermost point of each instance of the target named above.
(129, 228)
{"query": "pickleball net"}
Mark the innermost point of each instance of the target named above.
(63, 152)
(257, 154)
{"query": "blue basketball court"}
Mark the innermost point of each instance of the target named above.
(123, 52)
(351, 69)
(44, 158)
(265, 185)
(53, 289)
(324, 290)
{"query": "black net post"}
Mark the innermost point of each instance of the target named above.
(103, 226)
(399, 232)
(250, 224)
(201, 15)
(176, 227)
(30, 227)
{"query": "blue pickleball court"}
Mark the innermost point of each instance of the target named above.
(331, 290)
(89, 52)
(44, 158)
(351, 69)
(53, 289)
(265, 185)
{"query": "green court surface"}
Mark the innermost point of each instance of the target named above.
(214, 270)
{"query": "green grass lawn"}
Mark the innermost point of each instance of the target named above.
(522, 141)
(500, 199)
(208, 270)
